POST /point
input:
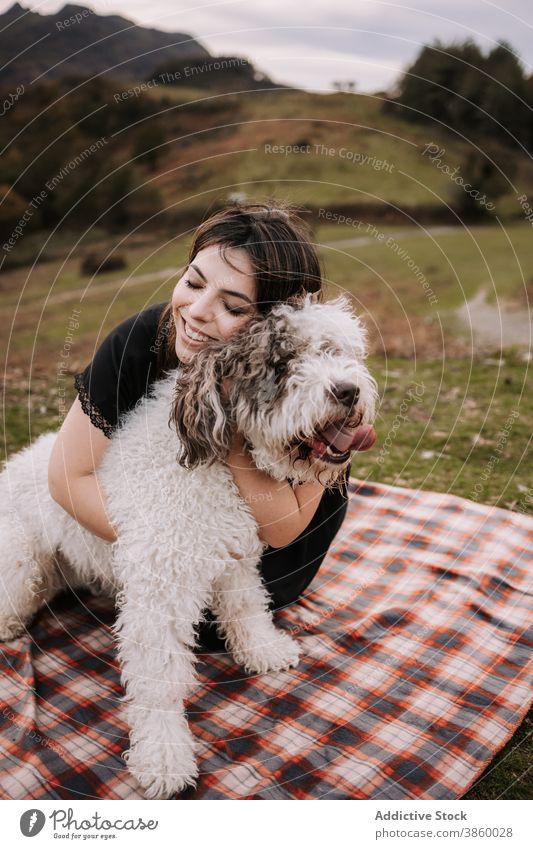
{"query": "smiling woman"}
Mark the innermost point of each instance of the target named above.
(243, 260)
(213, 300)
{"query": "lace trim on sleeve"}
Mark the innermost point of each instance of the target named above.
(90, 409)
(346, 481)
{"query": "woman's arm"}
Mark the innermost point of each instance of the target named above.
(281, 512)
(110, 385)
(72, 482)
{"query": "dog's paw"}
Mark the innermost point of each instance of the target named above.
(159, 786)
(167, 778)
(11, 628)
(276, 652)
(164, 763)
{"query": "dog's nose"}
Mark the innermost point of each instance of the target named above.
(346, 393)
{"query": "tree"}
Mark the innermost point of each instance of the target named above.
(149, 143)
(489, 174)
(430, 87)
(468, 93)
(507, 115)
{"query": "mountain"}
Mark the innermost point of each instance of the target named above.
(76, 40)
(223, 73)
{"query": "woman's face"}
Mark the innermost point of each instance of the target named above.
(212, 299)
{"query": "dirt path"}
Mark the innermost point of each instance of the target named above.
(491, 324)
(408, 233)
(127, 282)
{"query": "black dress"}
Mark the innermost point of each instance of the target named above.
(121, 372)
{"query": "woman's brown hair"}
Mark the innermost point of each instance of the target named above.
(279, 245)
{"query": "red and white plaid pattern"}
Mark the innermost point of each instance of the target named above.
(417, 667)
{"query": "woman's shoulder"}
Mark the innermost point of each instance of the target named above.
(133, 345)
(122, 368)
(140, 324)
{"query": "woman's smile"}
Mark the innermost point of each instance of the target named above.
(185, 329)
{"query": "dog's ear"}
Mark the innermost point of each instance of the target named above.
(200, 412)
(301, 299)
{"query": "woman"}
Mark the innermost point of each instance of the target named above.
(243, 260)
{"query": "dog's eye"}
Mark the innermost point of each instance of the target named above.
(280, 370)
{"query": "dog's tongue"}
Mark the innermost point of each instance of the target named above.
(347, 439)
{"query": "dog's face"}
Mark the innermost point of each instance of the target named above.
(298, 383)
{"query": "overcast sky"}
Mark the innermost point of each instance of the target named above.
(309, 44)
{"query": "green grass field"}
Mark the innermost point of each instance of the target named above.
(456, 263)
(386, 279)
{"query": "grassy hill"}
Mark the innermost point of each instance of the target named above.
(348, 137)
(170, 153)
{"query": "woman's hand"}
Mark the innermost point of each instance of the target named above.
(237, 443)
(281, 513)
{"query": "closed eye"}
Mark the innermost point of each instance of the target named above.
(229, 309)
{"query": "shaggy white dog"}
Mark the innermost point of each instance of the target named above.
(291, 382)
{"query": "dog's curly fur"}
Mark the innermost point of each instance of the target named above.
(187, 540)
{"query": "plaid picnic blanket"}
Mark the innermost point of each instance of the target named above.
(417, 668)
